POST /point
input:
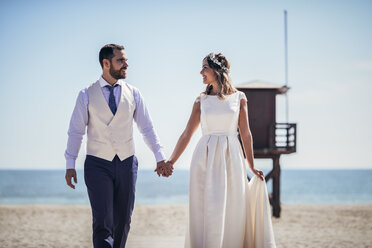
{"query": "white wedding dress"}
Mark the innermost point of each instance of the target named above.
(224, 209)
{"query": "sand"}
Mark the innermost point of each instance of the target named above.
(164, 226)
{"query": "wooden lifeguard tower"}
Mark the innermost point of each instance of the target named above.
(270, 139)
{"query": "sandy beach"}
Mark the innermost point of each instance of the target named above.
(164, 226)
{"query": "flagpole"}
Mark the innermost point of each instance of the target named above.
(286, 63)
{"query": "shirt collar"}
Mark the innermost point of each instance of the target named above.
(103, 82)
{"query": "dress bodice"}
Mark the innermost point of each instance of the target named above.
(220, 116)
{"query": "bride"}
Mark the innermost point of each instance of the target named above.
(225, 210)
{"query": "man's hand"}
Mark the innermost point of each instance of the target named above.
(71, 173)
(159, 168)
(164, 169)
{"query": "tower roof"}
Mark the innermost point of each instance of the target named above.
(257, 84)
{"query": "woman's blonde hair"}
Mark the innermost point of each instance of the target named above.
(220, 65)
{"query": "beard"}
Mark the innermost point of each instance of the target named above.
(117, 74)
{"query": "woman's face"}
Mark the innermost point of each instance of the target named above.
(207, 73)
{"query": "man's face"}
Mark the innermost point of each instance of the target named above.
(119, 64)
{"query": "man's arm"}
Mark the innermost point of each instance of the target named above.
(144, 123)
(76, 131)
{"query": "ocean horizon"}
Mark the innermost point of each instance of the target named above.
(298, 186)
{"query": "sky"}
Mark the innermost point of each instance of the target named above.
(50, 52)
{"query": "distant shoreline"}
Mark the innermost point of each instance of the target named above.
(178, 204)
(182, 169)
(297, 187)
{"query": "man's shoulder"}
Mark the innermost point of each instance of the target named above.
(125, 83)
(83, 93)
(134, 89)
(91, 85)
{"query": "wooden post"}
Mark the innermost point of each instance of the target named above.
(276, 186)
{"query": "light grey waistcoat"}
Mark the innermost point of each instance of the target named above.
(108, 134)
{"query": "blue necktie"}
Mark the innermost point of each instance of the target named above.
(112, 103)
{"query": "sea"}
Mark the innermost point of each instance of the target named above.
(297, 187)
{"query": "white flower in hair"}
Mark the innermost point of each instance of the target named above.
(215, 61)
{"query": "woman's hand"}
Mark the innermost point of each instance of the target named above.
(168, 169)
(164, 168)
(258, 173)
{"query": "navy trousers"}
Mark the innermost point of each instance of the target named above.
(111, 188)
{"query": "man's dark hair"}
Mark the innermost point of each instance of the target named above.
(107, 52)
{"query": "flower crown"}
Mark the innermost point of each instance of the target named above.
(215, 61)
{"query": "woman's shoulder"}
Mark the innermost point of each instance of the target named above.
(236, 95)
(241, 95)
(200, 97)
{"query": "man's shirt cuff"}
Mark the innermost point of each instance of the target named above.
(70, 163)
(159, 156)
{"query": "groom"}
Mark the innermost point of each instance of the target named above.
(107, 108)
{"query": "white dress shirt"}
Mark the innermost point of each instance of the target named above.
(79, 122)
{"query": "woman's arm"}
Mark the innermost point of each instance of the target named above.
(246, 136)
(185, 137)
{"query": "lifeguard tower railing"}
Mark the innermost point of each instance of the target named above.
(282, 140)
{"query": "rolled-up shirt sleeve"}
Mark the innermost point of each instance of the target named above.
(144, 124)
(77, 129)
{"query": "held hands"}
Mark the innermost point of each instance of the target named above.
(164, 168)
